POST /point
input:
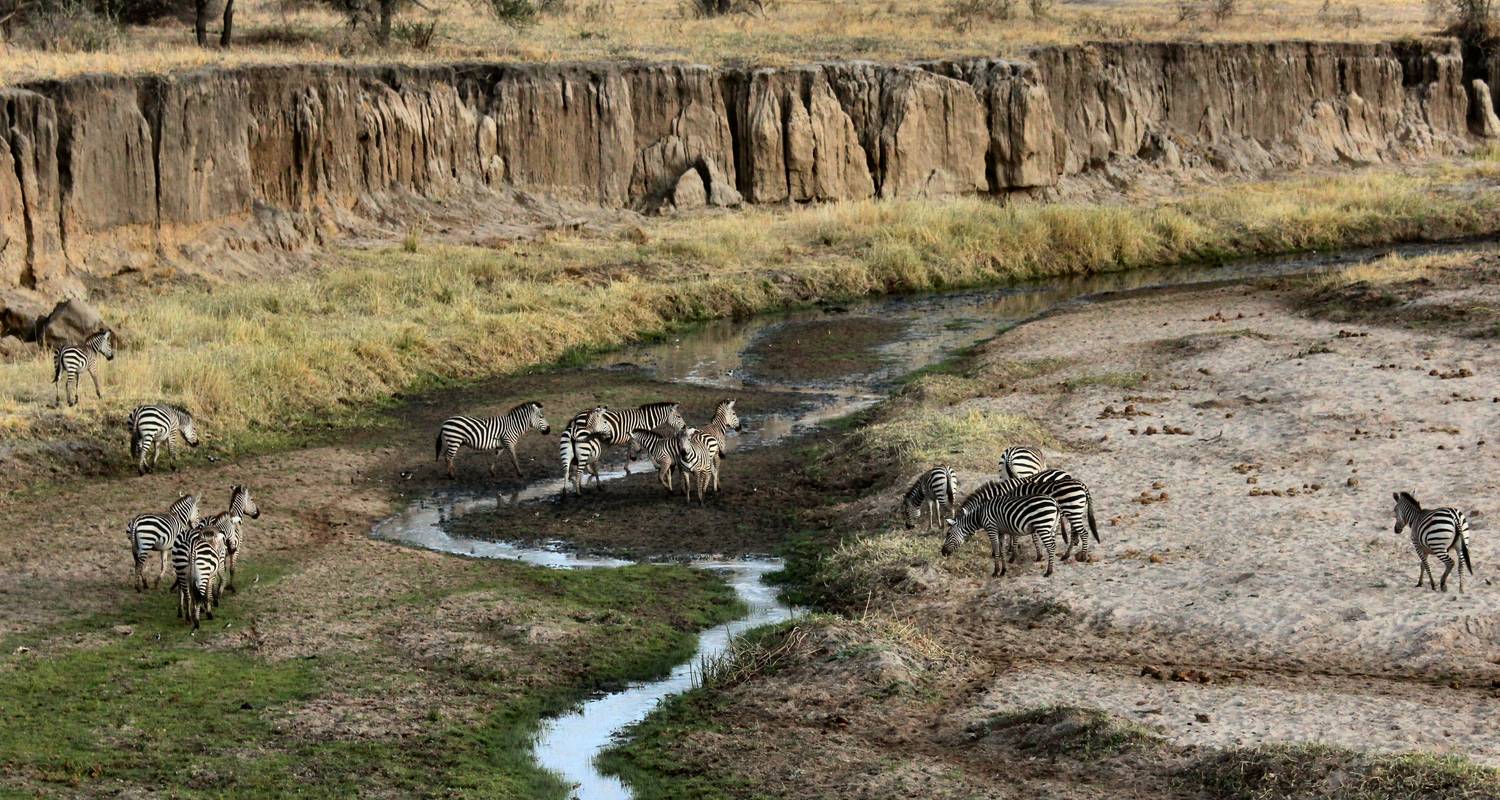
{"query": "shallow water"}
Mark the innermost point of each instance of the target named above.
(932, 327)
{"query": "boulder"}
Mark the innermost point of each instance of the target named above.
(11, 348)
(19, 311)
(721, 191)
(689, 192)
(71, 320)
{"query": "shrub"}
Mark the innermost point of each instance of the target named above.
(68, 26)
(961, 15)
(416, 35)
(1476, 22)
(720, 8)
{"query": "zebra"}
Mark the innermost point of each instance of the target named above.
(587, 449)
(1010, 516)
(490, 433)
(1021, 462)
(74, 359)
(1434, 533)
(711, 437)
(241, 506)
(609, 428)
(660, 449)
(695, 459)
(932, 490)
(1072, 494)
(198, 572)
(154, 425)
(154, 532)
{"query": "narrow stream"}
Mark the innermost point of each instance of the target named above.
(931, 327)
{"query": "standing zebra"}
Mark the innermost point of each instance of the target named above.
(661, 449)
(198, 572)
(588, 449)
(154, 532)
(490, 433)
(695, 459)
(241, 505)
(156, 425)
(1069, 492)
(1021, 462)
(1434, 533)
(934, 490)
(1036, 515)
(711, 437)
(74, 359)
(607, 428)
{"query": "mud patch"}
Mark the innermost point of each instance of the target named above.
(818, 351)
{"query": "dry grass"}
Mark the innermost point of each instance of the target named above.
(270, 354)
(1393, 268)
(789, 31)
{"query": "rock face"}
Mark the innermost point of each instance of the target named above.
(101, 173)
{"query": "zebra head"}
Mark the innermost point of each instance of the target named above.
(908, 512)
(959, 531)
(537, 420)
(1407, 509)
(598, 422)
(725, 414)
(241, 504)
(675, 419)
(188, 428)
(640, 440)
(102, 345)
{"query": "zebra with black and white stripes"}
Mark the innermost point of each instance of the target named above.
(154, 533)
(198, 573)
(1434, 532)
(696, 460)
(490, 433)
(1021, 462)
(1034, 515)
(69, 362)
(660, 448)
(606, 428)
(712, 437)
(153, 426)
(934, 491)
(241, 507)
(588, 450)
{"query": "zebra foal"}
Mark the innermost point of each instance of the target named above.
(155, 426)
(69, 362)
(1434, 532)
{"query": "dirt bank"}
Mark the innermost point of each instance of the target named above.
(1250, 593)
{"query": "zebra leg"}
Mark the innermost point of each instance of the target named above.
(1067, 540)
(1447, 568)
(96, 382)
(999, 568)
(161, 573)
(172, 455)
(140, 572)
(230, 562)
(515, 461)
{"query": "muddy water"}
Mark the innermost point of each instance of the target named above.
(723, 354)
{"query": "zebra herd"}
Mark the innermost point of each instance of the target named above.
(1038, 503)
(203, 551)
(1030, 501)
(655, 430)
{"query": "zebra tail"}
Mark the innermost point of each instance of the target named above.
(437, 444)
(56, 367)
(1093, 526)
(1463, 543)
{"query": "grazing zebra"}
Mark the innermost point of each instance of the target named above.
(198, 573)
(241, 505)
(1069, 492)
(695, 459)
(1036, 515)
(934, 490)
(155, 425)
(74, 359)
(712, 436)
(1021, 462)
(659, 448)
(1434, 533)
(610, 428)
(490, 433)
(154, 532)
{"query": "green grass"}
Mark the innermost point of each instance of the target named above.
(1320, 772)
(649, 760)
(316, 349)
(208, 717)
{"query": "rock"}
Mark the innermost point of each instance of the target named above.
(1201, 717)
(71, 320)
(689, 193)
(19, 311)
(1482, 112)
(11, 348)
(122, 630)
(721, 191)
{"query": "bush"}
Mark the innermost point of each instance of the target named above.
(961, 15)
(416, 35)
(1476, 22)
(68, 26)
(721, 8)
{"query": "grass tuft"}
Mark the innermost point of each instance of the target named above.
(1320, 772)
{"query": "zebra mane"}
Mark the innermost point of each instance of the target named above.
(1406, 500)
(657, 406)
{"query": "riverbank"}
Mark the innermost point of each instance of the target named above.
(1250, 626)
(325, 349)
